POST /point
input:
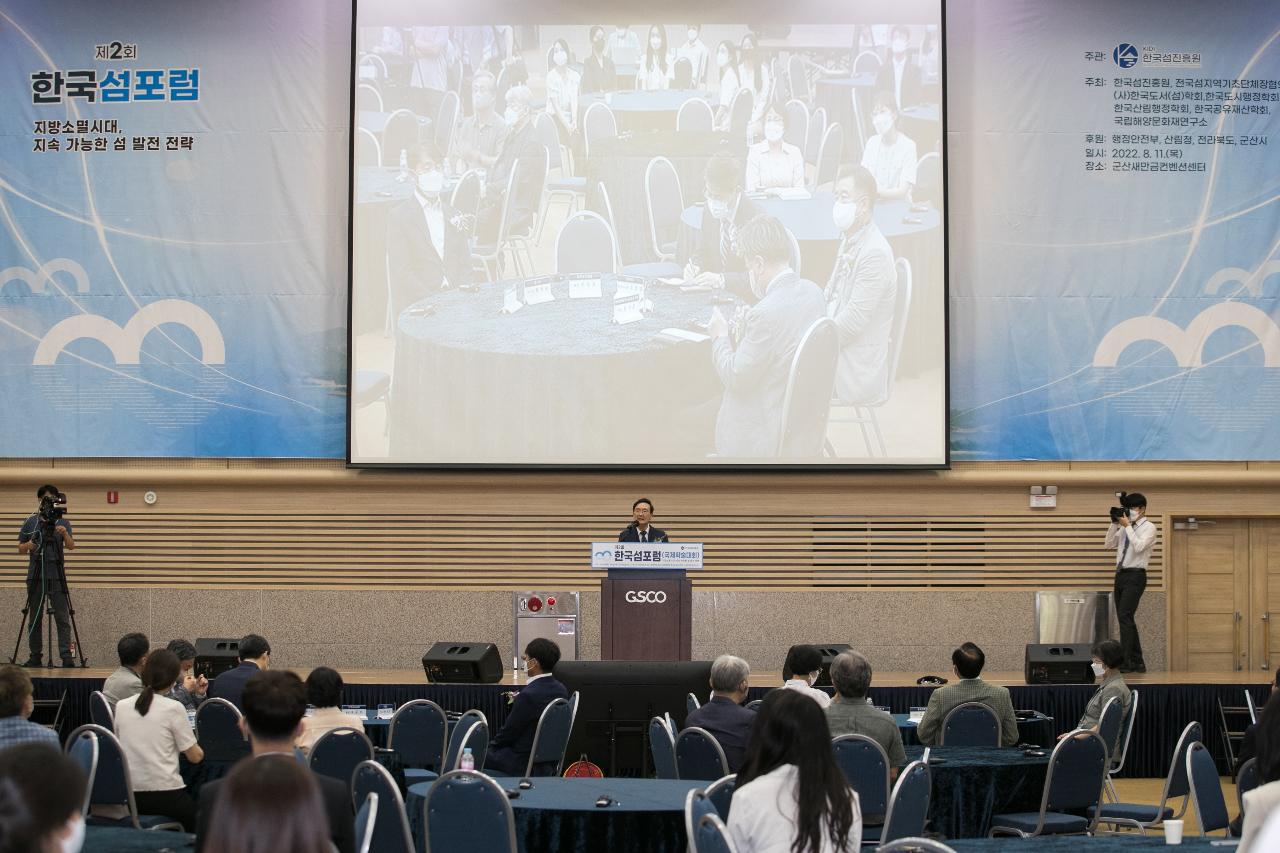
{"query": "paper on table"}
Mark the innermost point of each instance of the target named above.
(685, 335)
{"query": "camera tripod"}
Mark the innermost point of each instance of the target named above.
(44, 530)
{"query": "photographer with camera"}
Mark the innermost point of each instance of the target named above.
(45, 537)
(1133, 537)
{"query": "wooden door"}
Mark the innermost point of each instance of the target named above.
(1209, 596)
(1264, 561)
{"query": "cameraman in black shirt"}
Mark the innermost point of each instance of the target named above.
(45, 537)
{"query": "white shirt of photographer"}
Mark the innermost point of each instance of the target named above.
(763, 817)
(1141, 535)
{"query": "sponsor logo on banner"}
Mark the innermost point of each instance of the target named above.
(640, 597)
(1128, 55)
(1125, 55)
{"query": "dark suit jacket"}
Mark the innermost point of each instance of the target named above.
(730, 724)
(417, 270)
(337, 805)
(510, 749)
(230, 685)
(706, 256)
(516, 146)
(598, 75)
(631, 533)
(912, 86)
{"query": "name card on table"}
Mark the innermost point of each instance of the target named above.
(627, 309)
(538, 291)
(678, 556)
(511, 300)
(628, 286)
(584, 286)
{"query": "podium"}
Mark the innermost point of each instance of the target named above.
(646, 602)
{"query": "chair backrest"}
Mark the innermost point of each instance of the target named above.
(111, 783)
(1117, 761)
(459, 732)
(1077, 770)
(799, 80)
(909, 803)
(399, 134)
(797, 260)
(695, 114)
(901, 313)
(598, 122)
(1206, 790)
(366, 819)
(866, 62)
(720, 793)
(1247, 778)
(829, 153)
(551, 736)
(696, 806)
(813, 136)
(586, 243)
(915, 845)
(446, 121)
(606, 208)
(662, 749)
(929, 179)
(83, 750)
(550, 139)
(1176, 783)
(391, 832)
(368, 98)
(368, 149)
(218, 731)
(699, 755)
(418, 733)
(740, 111)
(665, 198)
(466, 194)
(682, 74)
(754, 705)
(338, 752)
(1253, 709)
(711, 836)
(806, 403)
(691, 703)
(1109, 725)
(100, 713)
(468, 812)
(866, 766)
(797, 113)
(476, 739)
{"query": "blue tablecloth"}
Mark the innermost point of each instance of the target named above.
(111, 839)
(649, 101)
(1037, 730)
(1079, 844)
(558, 815)
(810, 218)
(973, 783)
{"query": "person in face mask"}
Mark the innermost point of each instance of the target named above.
(696, 53)
(426, 238)
(890, 155)
(899, 77)
(967, 662)
(754, 362)
(41, 793)
(861, 292)
(1134, 538)
(562, 91)
(729, 82)
(657, 69)
(476, 138)
(623, 45)
(754, 73)
(716, 261)
(519, 145)
(803, 666)
(774, 164)
(598, 71)
(1107, 658)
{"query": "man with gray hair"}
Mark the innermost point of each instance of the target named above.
(723, 716)
(851, 714)
(519, 145)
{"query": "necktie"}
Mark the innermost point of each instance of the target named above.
(644, 536)
(1124, 548)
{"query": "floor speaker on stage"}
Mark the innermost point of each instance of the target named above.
(463, 663)
(216, 655)
(1059, 663)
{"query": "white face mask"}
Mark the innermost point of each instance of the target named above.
(882, 122)
(1098, 669)
(843, 213)
(722, 59)
(1134, 515)
(431, 183)
(899, 46)
(73, 842)
(513, 115)
(655, 42)
(718, 209)
(482, 100)
(773, 130)
(560, 57)
(693, 36)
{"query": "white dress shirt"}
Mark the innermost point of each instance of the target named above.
(651, 76)
(434, 214)
(763, 817)
(562, 95)
(768, 169)
(1140, 536)
(323, 721)
(802, 685)
(151, 744)
(894, 166)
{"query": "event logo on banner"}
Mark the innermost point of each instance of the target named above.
(172, 273)
(1117, 295)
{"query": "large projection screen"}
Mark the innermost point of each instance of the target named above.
(579, 243)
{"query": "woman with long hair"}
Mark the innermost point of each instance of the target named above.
(729, 84)
(41, 791)
(657, 70)
(754, 73)
(1264, 800)
(153, 729)
(269, 804)
(791, 796)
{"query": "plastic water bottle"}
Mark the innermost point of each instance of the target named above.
(404, 166)
(468, 761)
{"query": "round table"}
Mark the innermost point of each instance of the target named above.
(653, 109)
(561, 814)
(1080, 844)
(374, 122)
(552, 382)
(973, 783)
(127, 840)
(1037, 730)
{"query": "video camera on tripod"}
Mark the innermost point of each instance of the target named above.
(52, 507)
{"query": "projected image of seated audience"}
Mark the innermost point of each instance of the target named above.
(648, 243)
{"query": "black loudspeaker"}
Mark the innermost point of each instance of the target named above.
(829, 653)
(1060, 663)
(463, 663)
(216, 655)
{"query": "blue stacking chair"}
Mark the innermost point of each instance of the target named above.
(477, 739)
(218, 731)
(866, 766)
(720, 793)
(337, 753)
(100, 713)
(1122, 750)
(83, 750)
(699, 755)
(662, 746)
(366, 819)
(691, 703)
(915, 845)
(1142, 816)
(391, 833)
(552, 737)
(461, 729)
(697, 805)
(909, 805)
(1206, 791)
(468, 812)
(712, 837)
(1109, 725)
(970, 724)
(112, 785)
(419, 733)
(1073, 783)
(1248, 777)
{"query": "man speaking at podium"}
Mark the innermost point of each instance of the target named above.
(640, 530)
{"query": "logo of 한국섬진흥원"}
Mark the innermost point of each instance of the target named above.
(1125, 55)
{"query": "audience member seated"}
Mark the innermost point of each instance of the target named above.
(476, 138)
(153, 729)
(510, 749)
(716, 259)
(519, 144)
(255, 657)
(324, 691)
(697, 55)
(1249, 746)
(125, 681)
(791, 795)
(754, 74)
(1107, 658)
(774, 164)
(41, 792)
(723, 716)
(850, 714)
(16, 704)
(562, 91)
(1264, 801)
(267, 804)
(966, 663)
(189, 690)
(900, 78)
(801, 671)
(890, 155)
(274, 706)
(727, 85)
(598, 71)
(656, 69)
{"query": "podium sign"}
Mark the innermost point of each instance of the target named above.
(677, 556)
